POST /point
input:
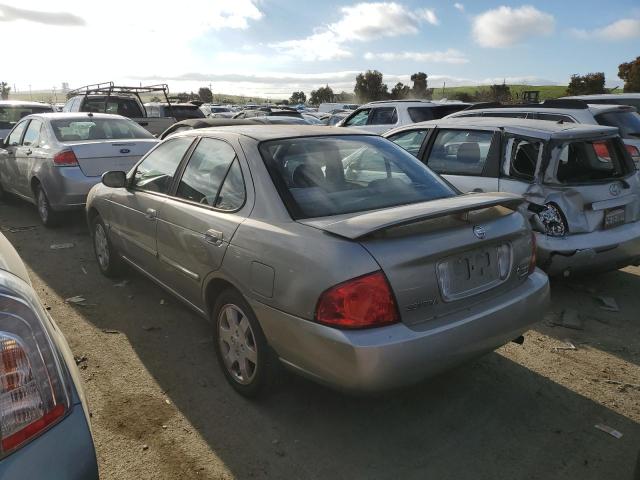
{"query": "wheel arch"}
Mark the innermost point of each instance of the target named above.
(212, 290)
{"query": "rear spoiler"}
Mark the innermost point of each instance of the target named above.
(357, 225)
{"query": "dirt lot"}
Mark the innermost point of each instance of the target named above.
(161, 408)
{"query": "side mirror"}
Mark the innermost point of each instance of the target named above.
(114, 179)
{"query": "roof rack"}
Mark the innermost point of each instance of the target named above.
(401, 101)
(109, 88)
(569, 104)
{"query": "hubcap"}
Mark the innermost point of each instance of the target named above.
(102, 246)
(237, 344)
(43, 209)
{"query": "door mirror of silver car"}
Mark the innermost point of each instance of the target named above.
(114, 179)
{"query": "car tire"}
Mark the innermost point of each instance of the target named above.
(48, 216)
(107, 256)
(247, 361)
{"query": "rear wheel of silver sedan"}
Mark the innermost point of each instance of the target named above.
(108, 259)
(247, 361)
(48, 216)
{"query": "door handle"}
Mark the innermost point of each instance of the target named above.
(28, 151)
(477, 190)
(214, 237)
(150, 214)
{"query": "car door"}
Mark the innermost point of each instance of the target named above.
(135, 209)
(9, 167)
(27, 156)
(467, 158)
(198, 221)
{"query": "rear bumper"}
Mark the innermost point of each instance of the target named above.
(67, 187)
(389, 357)
(65, 452)
(594, 251)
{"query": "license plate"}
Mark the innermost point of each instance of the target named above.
(613, 217)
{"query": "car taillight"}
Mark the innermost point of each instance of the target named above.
(553, 220)
(633, 151)
(66, 158)
(533, 259)
(361, 302)
(33, 393)
(602, 150)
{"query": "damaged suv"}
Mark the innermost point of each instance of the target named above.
(580, 184)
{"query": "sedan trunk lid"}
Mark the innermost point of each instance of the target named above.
(97, 157)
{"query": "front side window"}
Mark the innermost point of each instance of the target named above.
(410, 140)
(334, 175)
(555, 117)
(209, 167)
(87, 128)
(521, 158)
(591, 161)
(14, 139)
(155, 173)
(359, 118)
(460, 152)
(32, 135)
(383, 116)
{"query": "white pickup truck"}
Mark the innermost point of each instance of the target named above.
(125, 101)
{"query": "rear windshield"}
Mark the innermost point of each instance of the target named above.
(627, 122)
(127, 107)
(79, 129)
(10, 115)
(184, 111)
(324, 176)
(634, 102)
(591, 161)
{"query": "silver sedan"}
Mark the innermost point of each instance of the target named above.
(364, 277)
(53, 159)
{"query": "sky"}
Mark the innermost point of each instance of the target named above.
(271, 48)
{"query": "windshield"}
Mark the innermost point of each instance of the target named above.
(324, 176)
(73, 130)
(11, 114)
(219, 109)
(627, 122)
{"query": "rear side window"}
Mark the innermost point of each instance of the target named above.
(211, 166)
(32, 135)
(591, 161)
(521, 158)
(411, 141)
(444, 110)
(383, 116)
(460, 152)
(420, 114)
(626, 121)
(359, 118)
(155, 173)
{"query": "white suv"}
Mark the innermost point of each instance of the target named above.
(378, 117)
(623, 117)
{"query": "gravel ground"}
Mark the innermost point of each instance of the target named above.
(161, 408)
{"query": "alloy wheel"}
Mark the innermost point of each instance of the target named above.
(237, 344)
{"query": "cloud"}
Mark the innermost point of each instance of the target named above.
(624, 29)
(449, 56)
(459, 6)
(429, 16)
(12, 14)
(504, 26)
(361, 22)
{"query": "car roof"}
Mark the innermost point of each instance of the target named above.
(22, 103)
(534, 128)
(594, 108)
(395, 102)
(73, 115)
(262, 132)
(604, 96)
